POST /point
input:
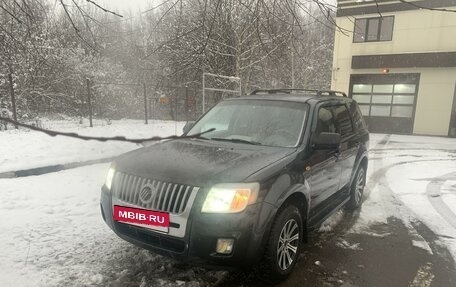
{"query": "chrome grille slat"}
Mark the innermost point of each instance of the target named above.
(138, 189)
(152, 183)
(160, 189)
(178, 199)
(134, 190)
(184, 196)
(123, 185)
(143, 182)
(163, 201)
(127, 187)
(167, 196)
(171, 197)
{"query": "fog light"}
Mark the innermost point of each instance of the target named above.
(224, 245)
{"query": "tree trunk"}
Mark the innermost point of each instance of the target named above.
(13, 97)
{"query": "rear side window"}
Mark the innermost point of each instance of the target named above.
(358, 121)
(343, 120)
(325, 121)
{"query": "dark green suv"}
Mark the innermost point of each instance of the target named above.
(266, 170)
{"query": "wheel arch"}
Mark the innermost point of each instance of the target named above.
(299, 200)
(363, 160)
(297, 195)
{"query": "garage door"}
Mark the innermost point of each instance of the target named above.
(386, 101)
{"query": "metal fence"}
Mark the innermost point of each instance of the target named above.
(100, 102)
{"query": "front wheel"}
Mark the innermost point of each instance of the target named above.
(357, 189)
(284, 244)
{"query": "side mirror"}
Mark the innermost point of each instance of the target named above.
(188, 126)
(326, 141)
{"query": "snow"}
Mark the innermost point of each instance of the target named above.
(25, 149)
(41, 218)
(342, 243)
(329, 224)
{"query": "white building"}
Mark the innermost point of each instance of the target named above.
(399, 62)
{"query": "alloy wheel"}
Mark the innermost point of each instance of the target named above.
(359, 188)
(287, 246)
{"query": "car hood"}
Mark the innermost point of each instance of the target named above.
(199, 162)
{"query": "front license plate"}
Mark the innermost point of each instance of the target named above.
(148, 218)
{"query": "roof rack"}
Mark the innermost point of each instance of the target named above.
(289, 91)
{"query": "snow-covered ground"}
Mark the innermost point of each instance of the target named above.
(24, 149)
(412, 178)
(53, 233)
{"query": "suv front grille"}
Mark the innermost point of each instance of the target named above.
(165, 196)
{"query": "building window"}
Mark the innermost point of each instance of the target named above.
(373, 29)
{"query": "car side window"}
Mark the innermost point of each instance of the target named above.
(343, 120)
(325, 121)
(358, 122)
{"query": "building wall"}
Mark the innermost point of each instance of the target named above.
(415, 31)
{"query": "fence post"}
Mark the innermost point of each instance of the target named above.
(204, 94)
(149, 106)
(145, 104)
(89, 101)
(186, 103)
(13, 98)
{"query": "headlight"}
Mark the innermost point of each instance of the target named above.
(230, 197)
(109, 177)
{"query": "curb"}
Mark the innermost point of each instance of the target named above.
(52, 168)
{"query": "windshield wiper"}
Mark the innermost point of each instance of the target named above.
(236, 141)
(199, 135)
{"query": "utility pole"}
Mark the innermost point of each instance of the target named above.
(145, 104)
(13, 97)
(89, 101)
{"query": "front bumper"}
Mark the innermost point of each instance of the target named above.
(198, 245)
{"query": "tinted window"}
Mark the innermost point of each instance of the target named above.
(343, 119)
(325, 121)
(357, 118)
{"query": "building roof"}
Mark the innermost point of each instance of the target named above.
(352, 7)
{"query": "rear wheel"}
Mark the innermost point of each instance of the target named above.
(357, 189)
(284, 244)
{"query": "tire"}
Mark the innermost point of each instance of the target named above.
(288, 228)
(357, 189)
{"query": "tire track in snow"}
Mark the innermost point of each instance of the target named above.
(433, 192)
(378, 177)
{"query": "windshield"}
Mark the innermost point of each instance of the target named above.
(270, 123)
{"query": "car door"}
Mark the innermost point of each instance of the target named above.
(349, 143)
(325, 172)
